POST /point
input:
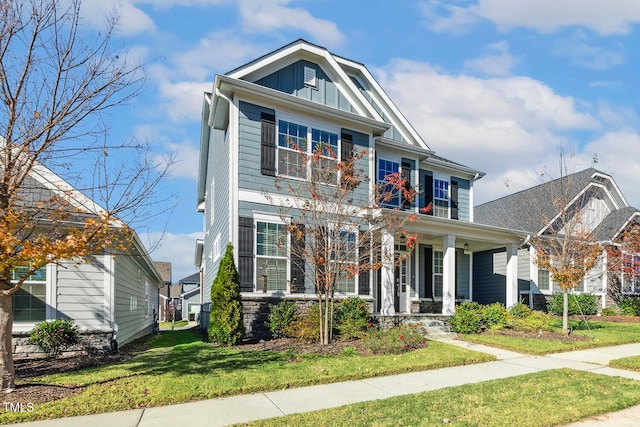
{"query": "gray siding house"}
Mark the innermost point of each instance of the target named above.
(113, 298)
(302, 90)
(592, 198)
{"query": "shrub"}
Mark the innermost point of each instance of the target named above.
(226, 326)
(534, 321)
(493, 316)
(396, 340)
(520, 311)
(586, 304)
(467, 318)
(280, 316)
(53, 337)
(629, 306)
(306, 326)
(352, 318)
(609, 311)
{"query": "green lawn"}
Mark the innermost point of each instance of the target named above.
(178, 367)
(169, 325)
(602, 334)
(630, 363)
(546, 398)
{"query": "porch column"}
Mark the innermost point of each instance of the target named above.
(387, 272)
(512, 275)
(449, 274)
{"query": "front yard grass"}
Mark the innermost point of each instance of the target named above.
(602, 334)
(178, 367)
(548, 398)
(629, 363)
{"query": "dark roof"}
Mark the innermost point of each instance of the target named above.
(532, 209)
(607, 230)
(193, 279)
(164, 268)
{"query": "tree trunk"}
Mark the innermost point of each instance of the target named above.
(6, 346)
(326, 322)
(565, 312)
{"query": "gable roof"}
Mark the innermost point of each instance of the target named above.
(534, 209)
(611, 228)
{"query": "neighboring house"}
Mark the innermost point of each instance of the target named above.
(190, 295)
(164, 268)
(594, 198)
(112, 298)
(301, 91)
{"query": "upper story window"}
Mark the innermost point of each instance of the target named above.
(441, 198)
(294, 152)
(29, 303)
(390, 193)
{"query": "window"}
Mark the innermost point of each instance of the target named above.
(347, 254)
(390, 196)
(211, 197)
(631, 274)
(441, 198)
(438, 271)
(326, 144)
(294, 152)
(544, 282)
(29, 303)
(272, 249)
(216, 249)
(292, 144)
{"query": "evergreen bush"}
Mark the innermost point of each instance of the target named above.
(54, 336)
(629, 306)
(352, 318)
(226, 325)
(280, 316)
(306, 326)
(586, 304)
(467, 318)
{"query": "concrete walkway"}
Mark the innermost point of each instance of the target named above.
(239, 409)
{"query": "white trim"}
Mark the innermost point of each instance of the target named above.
(272, 219)
(234, 143)
(52, 291)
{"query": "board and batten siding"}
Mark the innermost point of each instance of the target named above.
(136, 296)
(489, 276)
(80, 293)
(464, 197)
(290, 79)
(216, 227)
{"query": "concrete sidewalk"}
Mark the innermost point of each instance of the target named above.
(239, 409)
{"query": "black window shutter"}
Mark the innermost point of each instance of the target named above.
(364, 255)
(428, 272)
(454, 199)
(428, 193)
(268, 144)
(406, 177)
(346, 155)
(297, 260)
(245, 253)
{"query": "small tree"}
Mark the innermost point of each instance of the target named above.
(226, 326)
(623, 262)
(336, 219)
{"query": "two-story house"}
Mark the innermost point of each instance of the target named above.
(302, 92)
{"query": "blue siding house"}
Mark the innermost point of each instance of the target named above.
(300, 92)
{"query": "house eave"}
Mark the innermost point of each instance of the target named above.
(402, 146)
(230, 88)
(471, 173)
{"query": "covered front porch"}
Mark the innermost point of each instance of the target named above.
(440, 270)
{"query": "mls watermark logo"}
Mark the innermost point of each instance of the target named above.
(18, 406)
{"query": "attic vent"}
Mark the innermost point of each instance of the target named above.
(309, 76)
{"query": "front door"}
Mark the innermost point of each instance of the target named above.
(400, 289)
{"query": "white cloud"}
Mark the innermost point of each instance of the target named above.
(603, 16)
(178, 249)
(185, 155)
(267, 16)
(131, 20)
(496, 125)
(582, 52)
(497, 61)
(182, 101)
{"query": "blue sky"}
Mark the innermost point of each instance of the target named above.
(498, 85)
